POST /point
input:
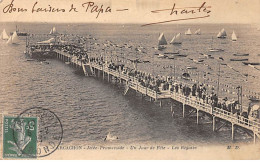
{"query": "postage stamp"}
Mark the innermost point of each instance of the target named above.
(19, 137)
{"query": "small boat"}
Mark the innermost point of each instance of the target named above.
(161, 47)
(188, 32)
(198, 32)
(67, 63)
(198, 61)
(176, 39)
(241, 54)
(13, 39)
(191, 68)
(19, 33)
(254, 99)
(30, 60)
(233, 36)
(212, 49)
(162, 56)
(222, 34)
(53, 31)
(171, 57)
(181, 55)
(4, 35)
(251, 63)
(216, 50)
(172, 52)
(239, 59)
(110, 137)
(161, 42)
(185, 76)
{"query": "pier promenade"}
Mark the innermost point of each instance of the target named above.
(190, 104)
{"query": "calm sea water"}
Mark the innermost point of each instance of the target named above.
(90, 108)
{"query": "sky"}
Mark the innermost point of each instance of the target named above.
(138, 11)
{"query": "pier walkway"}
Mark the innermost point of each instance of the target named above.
(94, 69)
(220, 117)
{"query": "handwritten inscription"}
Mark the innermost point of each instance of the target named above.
(88, 7)
(97, 9)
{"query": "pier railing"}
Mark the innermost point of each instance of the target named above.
(192, 101)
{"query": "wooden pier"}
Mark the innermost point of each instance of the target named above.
(219, 116)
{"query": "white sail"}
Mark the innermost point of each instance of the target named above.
(176, 39)
(188, 32)
(15, 39)
(162, 40)
(222, 34)
(173, 40)
(9, 40)
(53, 31)
(4, 35)
(198, 32)
(234, 37)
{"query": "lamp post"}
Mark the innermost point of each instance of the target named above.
(239, 96)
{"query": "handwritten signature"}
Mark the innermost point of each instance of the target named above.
(174, 11)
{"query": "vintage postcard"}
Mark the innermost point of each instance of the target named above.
(129, 79)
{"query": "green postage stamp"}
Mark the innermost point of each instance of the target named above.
(19, 137)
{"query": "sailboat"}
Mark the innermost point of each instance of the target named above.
(53, 31)
(13, 39)
(234, 37)
(4, 35)
(176, 39)
(19, 33)
(161, 42)
(222, 34)
(188, 32)
(214, 49)
(198, 32)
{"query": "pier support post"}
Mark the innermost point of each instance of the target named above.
(214, 123)
(254, 137)
(160, 103)
(183, 110)
(151, 99)
(233, 132)
(108, 77)
(103, 75)
(197, 116)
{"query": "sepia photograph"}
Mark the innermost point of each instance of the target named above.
(129, 80)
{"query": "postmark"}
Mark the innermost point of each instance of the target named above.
(48, 136)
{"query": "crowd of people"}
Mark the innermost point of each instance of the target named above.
(159, 84)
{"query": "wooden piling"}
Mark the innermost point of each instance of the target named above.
(183, 110)
(233, 132)
(197, 116)
(214, 123)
